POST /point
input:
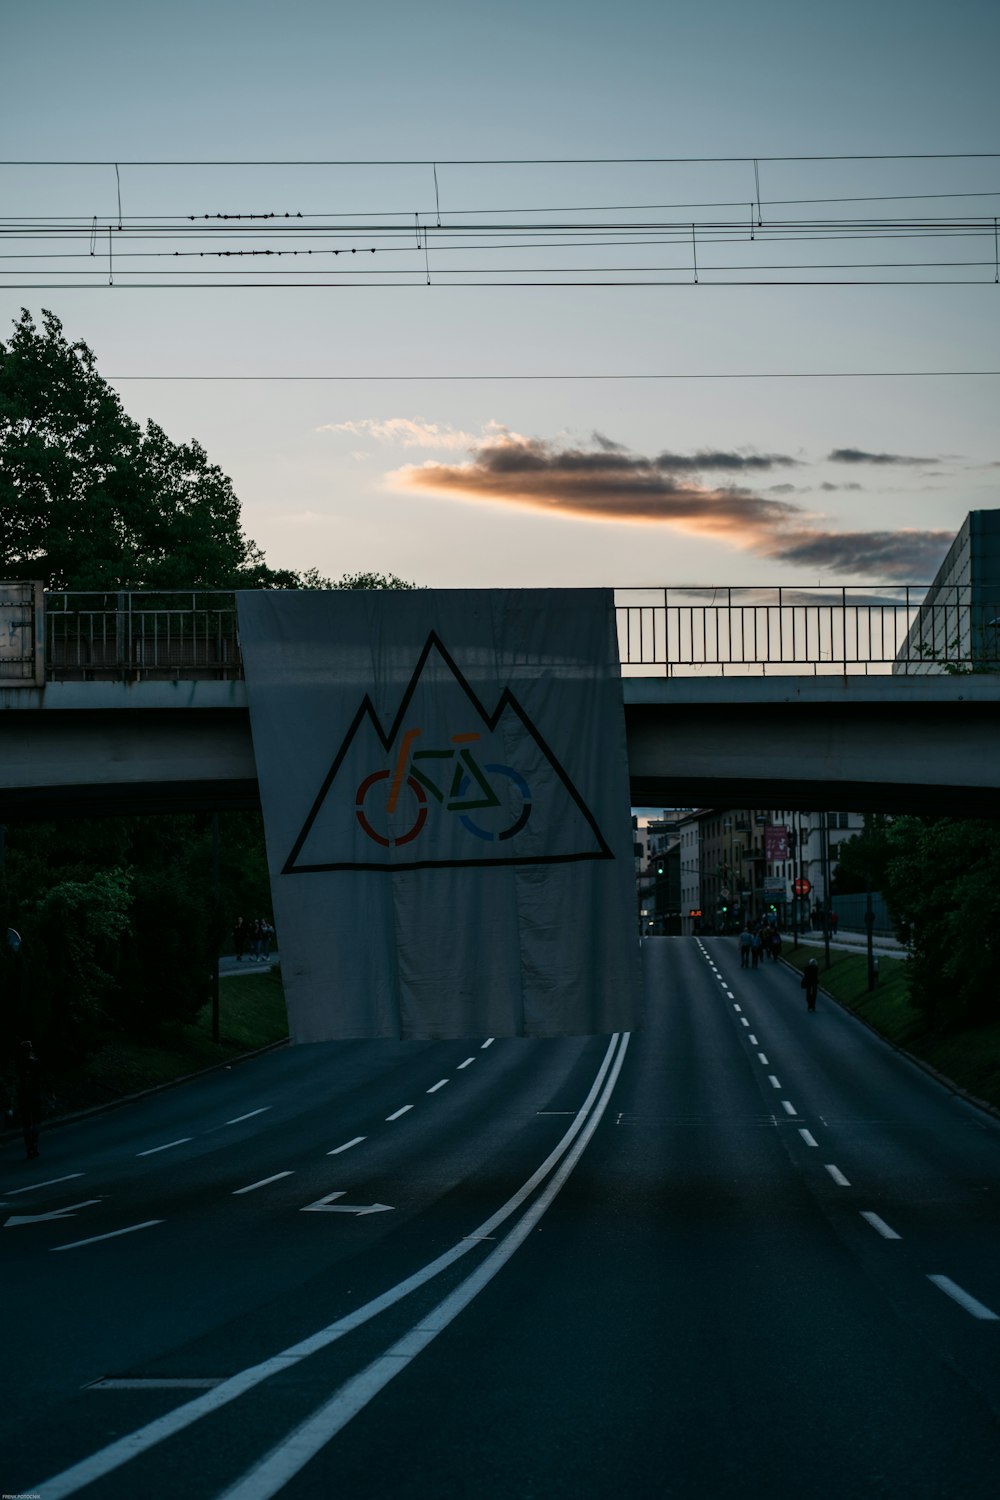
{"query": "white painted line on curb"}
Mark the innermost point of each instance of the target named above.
(75, 1244)
(971, 1305)
(398, 1113)
(880, 1225)
(168, 1147)
(262, 1183)
(836, 1174)
(439, 1085)
(808, 1138)
(356, 1141)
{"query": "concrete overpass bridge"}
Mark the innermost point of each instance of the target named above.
(136, 706)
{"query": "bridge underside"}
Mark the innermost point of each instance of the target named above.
(795, 744)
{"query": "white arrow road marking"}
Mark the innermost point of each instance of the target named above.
(56, 1213)
(327, 1206)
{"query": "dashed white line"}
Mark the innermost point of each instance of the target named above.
(836, 1174)
(439, 1085)
(36, 1185)
(752, 1039)
(774, 1082)
(355, 1141)
(880, 1225)
(168, 1147)
(468, 1060)
(737, 1007)
(488, 1043)
(971, 1305)
(398, 1113)
(262, 1183)
(744, 1021)
(763, 1059)
(788, 1107)
(263, 1110)
(75, 1244)
(808, 1138)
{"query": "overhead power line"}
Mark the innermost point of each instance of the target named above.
(519, 376)
(508, 161)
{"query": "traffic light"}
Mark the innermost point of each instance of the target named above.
(659, 868)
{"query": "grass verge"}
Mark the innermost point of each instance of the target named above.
(251, 1015)
(970, 1059)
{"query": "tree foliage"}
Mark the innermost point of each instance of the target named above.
(89, 500)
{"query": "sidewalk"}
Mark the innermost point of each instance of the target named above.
(229, 966)
(850, 942)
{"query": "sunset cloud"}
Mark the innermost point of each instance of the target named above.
(606, 482)
(859, 456)
(407, 432)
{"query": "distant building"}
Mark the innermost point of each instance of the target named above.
(959, 619)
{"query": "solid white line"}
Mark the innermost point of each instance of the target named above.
(488, 1043)
(36, 1185)
(836, 1174)
(439, 1085)
(263, 1110)
(763, 1059)
(788, 1108)
(347, 1145)
(468, 1060)
(880, 1225)
(774, 1082)
(75, 1244)
(106, 1460)
(168, 1147)
(289, 1457)
(262, 1183)
(398, 1113)
(807, 1137)
(977, 1309)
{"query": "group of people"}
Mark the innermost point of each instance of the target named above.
(253, 936)
(757, 942)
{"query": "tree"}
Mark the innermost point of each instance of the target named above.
(89, 500)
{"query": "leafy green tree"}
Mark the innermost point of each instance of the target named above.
(862, 859)
(942, 887)
(92, 501)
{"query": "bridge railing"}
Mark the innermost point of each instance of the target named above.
(687, 631)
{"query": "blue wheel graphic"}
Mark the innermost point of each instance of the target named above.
(492, 835)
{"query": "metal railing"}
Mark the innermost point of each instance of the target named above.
(686, 631)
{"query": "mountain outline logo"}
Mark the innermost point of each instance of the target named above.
(445, 803)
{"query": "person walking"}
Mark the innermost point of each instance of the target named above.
(810, 983)
(29, 1098)
(745, 943)
(756, 949)
(239, 938)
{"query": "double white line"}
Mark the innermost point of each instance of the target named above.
(295, 1451)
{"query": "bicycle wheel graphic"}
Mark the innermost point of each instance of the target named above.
(371, 807)
(501, 831)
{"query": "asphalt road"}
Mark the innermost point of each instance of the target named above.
(747, 1251)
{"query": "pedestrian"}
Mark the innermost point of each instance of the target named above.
(810, 983)
(256, 936)
(756, 949)
(775, 945)
(29, 1098)
(834, 919)
(239, 938)
(746, 940)
(266, 938)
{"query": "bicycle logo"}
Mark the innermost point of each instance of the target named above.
(386, 797)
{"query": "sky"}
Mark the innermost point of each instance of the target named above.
(791, 434)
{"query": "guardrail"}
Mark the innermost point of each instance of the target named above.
(687, 631)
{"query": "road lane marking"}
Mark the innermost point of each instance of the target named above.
(744, 1021)
(168, 1147)
(262, 1183)
(763, 1059)
(55, 1213)
(155, 1383)
(468, 1060)
(51, 1183)
(752, 1039)
(75, 1244)
(773, 1081)
(563, 1157)
(880, 1225)
(971, 1305)
(263, 1110)
(398, 1113)
(737, 1007)
(327, 1206)
(488, 1043)
(439, 1085)
(836, 1174)
(356, 1141)
(788, 1107)
(808, 1138)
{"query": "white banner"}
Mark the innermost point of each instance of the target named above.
(446, 804)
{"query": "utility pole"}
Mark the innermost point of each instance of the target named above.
(869, 914)
(215, 926)
(825, 830)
